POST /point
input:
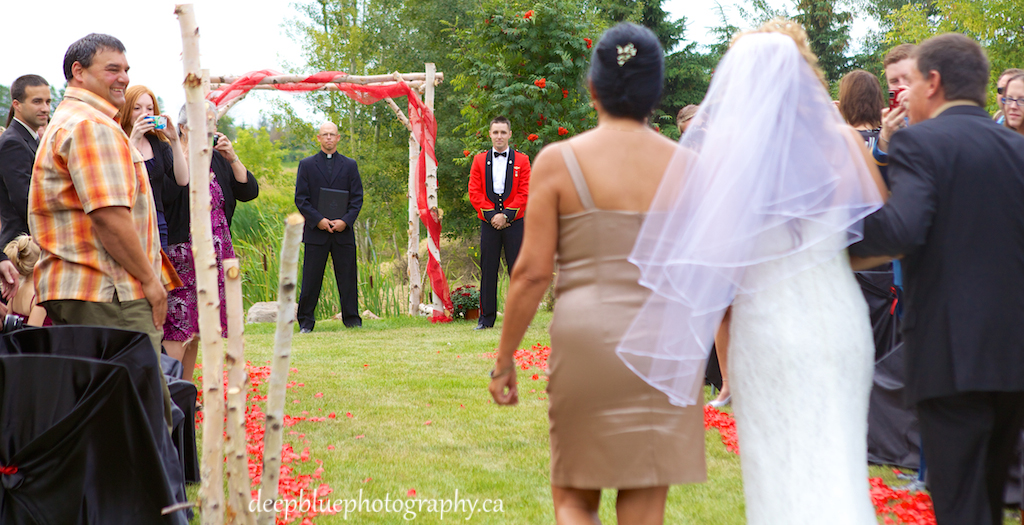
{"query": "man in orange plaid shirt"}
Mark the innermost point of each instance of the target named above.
(91, 207)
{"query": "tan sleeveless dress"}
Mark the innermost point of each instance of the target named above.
(609, 429)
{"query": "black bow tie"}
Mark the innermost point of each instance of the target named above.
(502, 154)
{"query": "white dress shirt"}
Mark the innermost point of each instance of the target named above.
(498, 170)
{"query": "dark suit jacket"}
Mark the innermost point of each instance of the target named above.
(957, 214)
(17, 155)
(312, 176)
(517, 186)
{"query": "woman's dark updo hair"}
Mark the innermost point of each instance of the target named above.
(633, 89)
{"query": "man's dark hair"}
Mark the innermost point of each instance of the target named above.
(627, 69)
(25, 81)
(85, 48)
(898, 54)
(961, 63)
(500, 120)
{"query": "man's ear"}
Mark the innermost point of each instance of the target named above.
(76, 71)
(934, 88)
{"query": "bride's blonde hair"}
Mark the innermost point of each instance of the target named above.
(795, 31)
(24, 253)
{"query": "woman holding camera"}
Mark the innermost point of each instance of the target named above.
(153, 135)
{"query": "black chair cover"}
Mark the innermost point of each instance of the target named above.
(128, 348)
(75, 445)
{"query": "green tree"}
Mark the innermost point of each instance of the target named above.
(649, 14)
(828, 31)
(528, 66)
(261, 156)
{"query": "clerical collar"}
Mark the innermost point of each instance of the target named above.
(329, 155)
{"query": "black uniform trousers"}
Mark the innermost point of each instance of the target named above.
(345, 273)
(970, 440)
(491, 243)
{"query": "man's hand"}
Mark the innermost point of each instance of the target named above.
(338, 225)
(499, 221)
(157, 297)
(892, 121)
(8, 279)
(325, 225)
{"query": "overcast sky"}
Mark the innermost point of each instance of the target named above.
(236, 37)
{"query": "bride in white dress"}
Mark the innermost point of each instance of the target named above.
(760, 218)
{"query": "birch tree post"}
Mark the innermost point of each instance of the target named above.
(274, 430)
(211, 492)
(238, 381)
(431, 180)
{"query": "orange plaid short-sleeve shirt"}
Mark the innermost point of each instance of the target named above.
(85, 162)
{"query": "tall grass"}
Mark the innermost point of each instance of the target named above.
(257, 241)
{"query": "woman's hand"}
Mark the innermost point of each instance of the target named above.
(503, 383)
(140, 128)
(225, 148)
(168, 131)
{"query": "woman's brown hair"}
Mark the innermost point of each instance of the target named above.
(124, 116)
(860, 99)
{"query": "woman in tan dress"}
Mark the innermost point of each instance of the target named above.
(588, 198)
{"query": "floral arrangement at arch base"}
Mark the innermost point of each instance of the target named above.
(465, 298)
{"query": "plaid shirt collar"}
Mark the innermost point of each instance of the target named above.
(98, 103)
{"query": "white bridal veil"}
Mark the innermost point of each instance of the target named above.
(766, 171)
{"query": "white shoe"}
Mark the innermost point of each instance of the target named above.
(719, 404)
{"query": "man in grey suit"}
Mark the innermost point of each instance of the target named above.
(956, 214)
(30, 110)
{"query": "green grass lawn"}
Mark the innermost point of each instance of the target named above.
(397, 374)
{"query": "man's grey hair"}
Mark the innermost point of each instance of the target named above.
(84, 50)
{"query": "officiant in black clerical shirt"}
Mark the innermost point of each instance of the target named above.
(329, 194)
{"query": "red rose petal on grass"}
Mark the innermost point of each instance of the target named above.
(330, 447)
(427, 422)
(296, 401)
(366, 366)
(462, 406)
(367, 480)
(411, 493)
(349, 415)
(318, 394)
(331, 415)
(360, 436)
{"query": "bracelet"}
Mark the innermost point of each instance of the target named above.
(504, 372)
(883, 140)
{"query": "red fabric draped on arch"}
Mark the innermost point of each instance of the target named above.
(424, 128)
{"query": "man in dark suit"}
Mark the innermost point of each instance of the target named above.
(331, 235)
(956, 214)
(30, 110)
(499, 183)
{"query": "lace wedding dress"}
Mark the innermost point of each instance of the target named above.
(800, 366)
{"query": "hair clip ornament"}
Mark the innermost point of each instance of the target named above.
(626, 52)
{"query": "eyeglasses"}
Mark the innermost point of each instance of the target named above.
(1019, 102)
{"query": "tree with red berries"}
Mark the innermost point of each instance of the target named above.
(530, 66)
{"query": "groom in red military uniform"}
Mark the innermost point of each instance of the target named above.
(499, 182)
